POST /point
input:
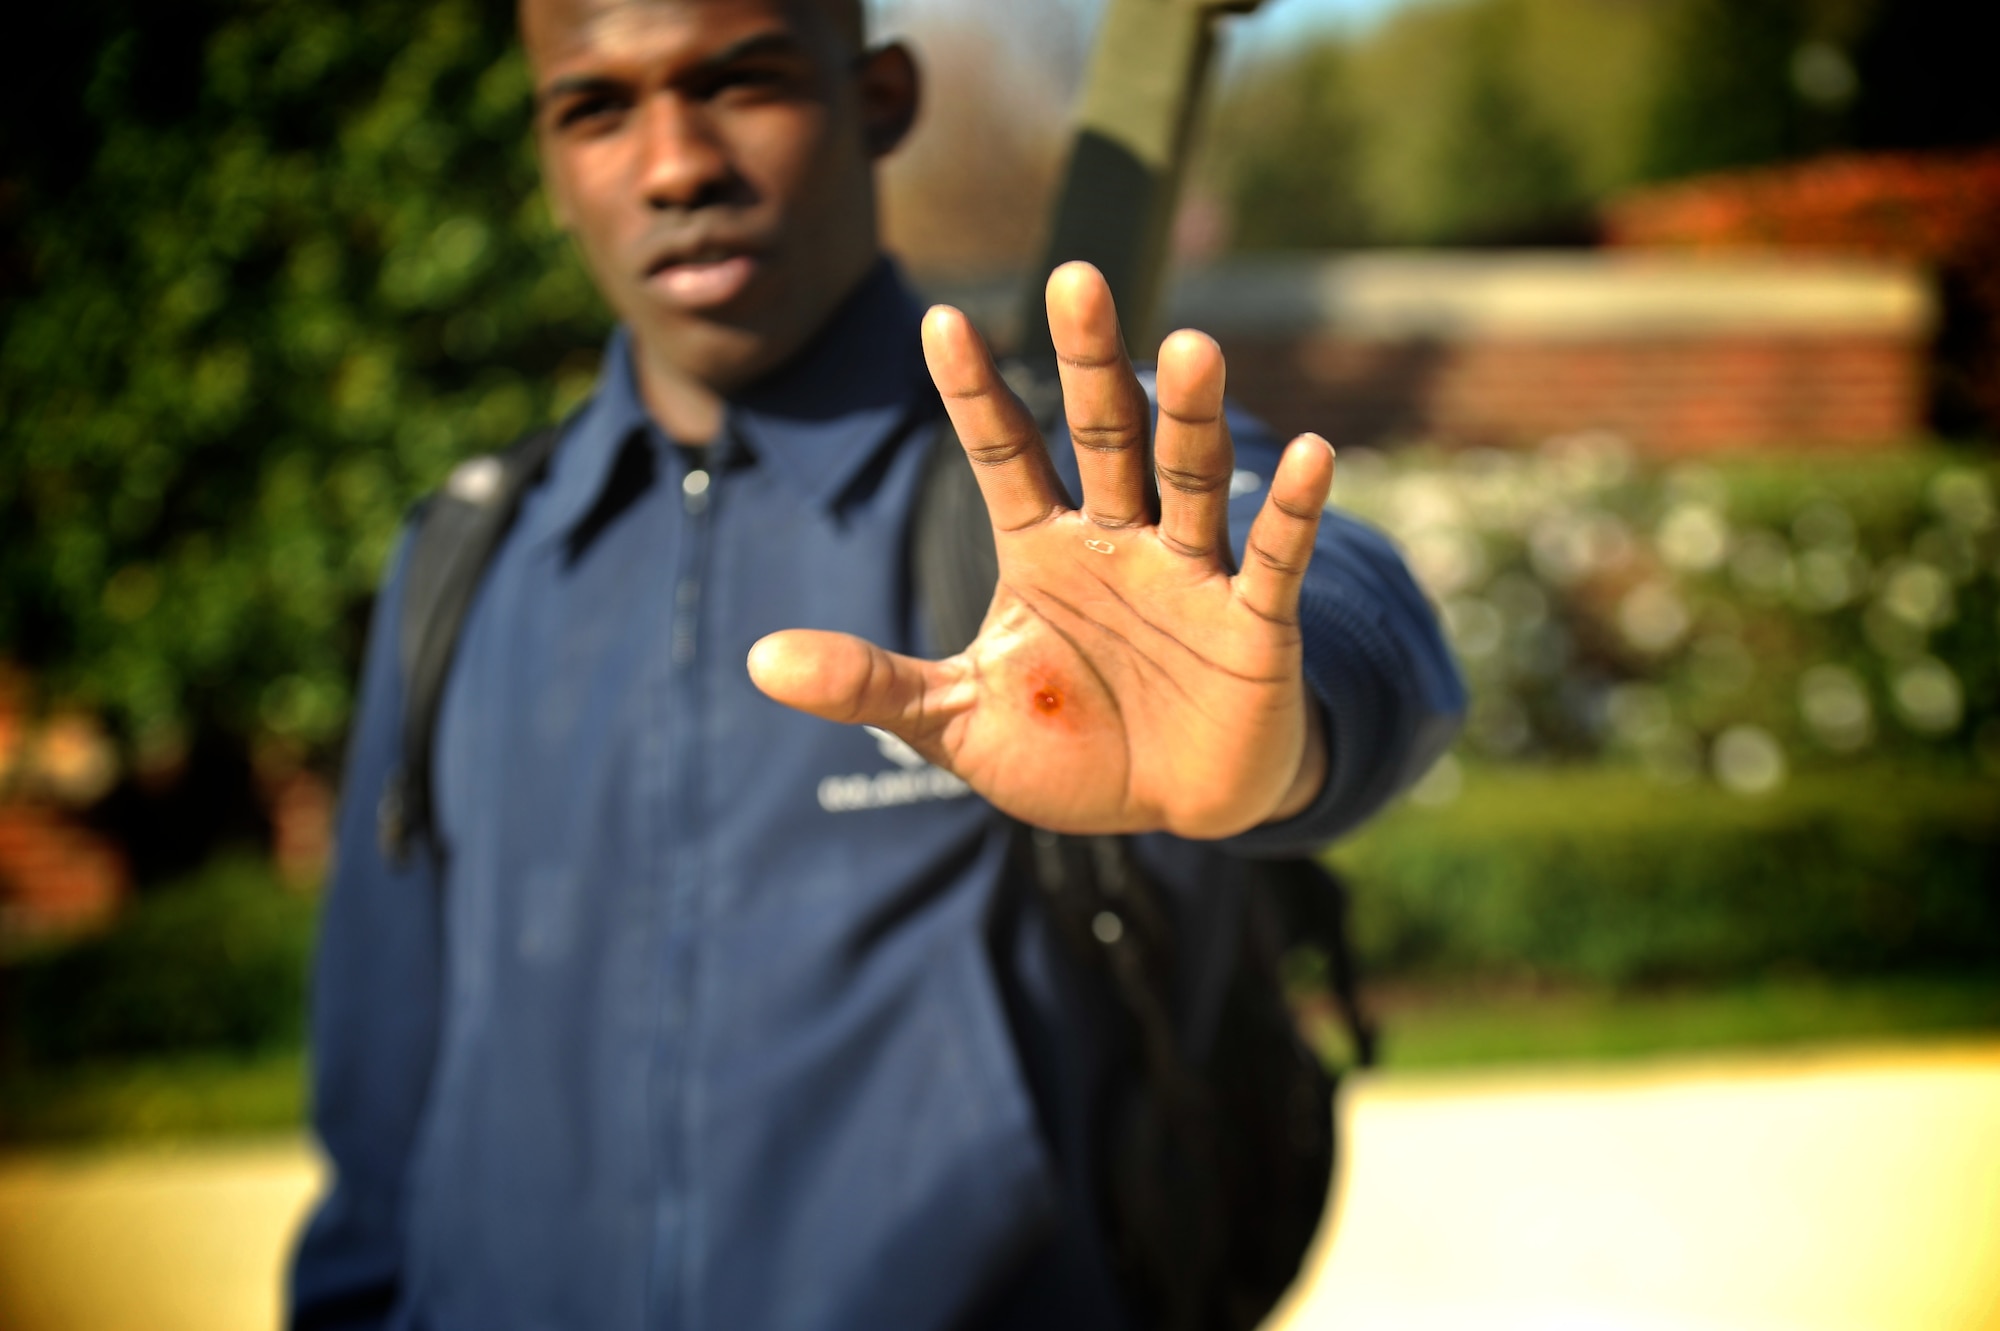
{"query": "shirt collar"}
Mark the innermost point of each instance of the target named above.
(821, 418)
(590, 446)
(816, 422)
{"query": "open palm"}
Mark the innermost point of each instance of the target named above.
(1126, 678)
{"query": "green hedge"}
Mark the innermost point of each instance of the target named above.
(218, 964)
(1745, 617)
(1595, 875)
(1604, 875)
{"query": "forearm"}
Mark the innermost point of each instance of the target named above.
(1309, 774)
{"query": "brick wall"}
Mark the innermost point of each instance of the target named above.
(1940, 210)
(1669, 396)
(1681, 354)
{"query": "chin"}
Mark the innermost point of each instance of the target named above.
(725, 357)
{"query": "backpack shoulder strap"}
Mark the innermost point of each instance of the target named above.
(956, 564)
(457, 531)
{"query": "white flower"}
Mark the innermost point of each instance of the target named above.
(1474, 626)
(1360, 473)
(1825, 579)
(1423, 501)
(1917, 593)
(1496, 486)
(1567, 547)
(1929, 697)
(1963, 497)
(1652, 617)
(1446, 561)
(1748, 760)
(1693, 538)
(1588, 459)
(1559, 548)
(1835, 705)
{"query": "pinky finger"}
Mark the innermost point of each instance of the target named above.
(1281, 539)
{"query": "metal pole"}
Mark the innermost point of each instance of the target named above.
(1115, 207)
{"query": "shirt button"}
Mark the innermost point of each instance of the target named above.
(694, 487)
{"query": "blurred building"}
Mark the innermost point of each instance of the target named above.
(1939, 211)
(1676, 353)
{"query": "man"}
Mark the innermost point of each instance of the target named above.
(694, 1021)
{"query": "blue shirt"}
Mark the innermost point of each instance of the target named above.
(718, 1016)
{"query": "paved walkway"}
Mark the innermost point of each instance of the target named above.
(1817, 1193)
(1830, 1192)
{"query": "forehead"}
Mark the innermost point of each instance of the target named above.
(557, 30)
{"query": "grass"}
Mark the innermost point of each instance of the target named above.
(154, 1100)
(1427, 1029)
(164, 1100)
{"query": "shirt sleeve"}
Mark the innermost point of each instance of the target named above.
(375, 1003)
(1390, 694)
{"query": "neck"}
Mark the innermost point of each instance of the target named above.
(687, 409)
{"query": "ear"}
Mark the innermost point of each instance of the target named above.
(891, 90)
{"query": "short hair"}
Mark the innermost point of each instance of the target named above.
(850, 19)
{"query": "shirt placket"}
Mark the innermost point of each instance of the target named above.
(678, 850)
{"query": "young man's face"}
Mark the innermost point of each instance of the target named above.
(713, 159)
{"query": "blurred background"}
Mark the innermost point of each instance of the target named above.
(1664, 335)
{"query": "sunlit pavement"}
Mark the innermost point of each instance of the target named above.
(1841, 1190)
(1810, 1193)
(154, 1241)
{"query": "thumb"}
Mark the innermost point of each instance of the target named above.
(842, 678)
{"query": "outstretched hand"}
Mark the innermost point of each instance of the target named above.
(1125, 679)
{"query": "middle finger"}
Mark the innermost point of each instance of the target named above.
(1106, 408)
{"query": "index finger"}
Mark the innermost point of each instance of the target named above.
(998, 433)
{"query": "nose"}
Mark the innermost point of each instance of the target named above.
(686, 164)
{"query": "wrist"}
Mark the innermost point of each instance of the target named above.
(1310, 778)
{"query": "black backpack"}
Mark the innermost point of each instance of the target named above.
(1213, 1171)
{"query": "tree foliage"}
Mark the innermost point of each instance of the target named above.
(1489, 119)
(1726, 96)
(1299, 186)
(1446, 123)
(274, 267)
(1501, 169)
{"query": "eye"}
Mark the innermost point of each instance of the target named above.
(750, 82)
(586, 111)
(749, 78)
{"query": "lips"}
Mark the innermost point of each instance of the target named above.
(705, 277)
